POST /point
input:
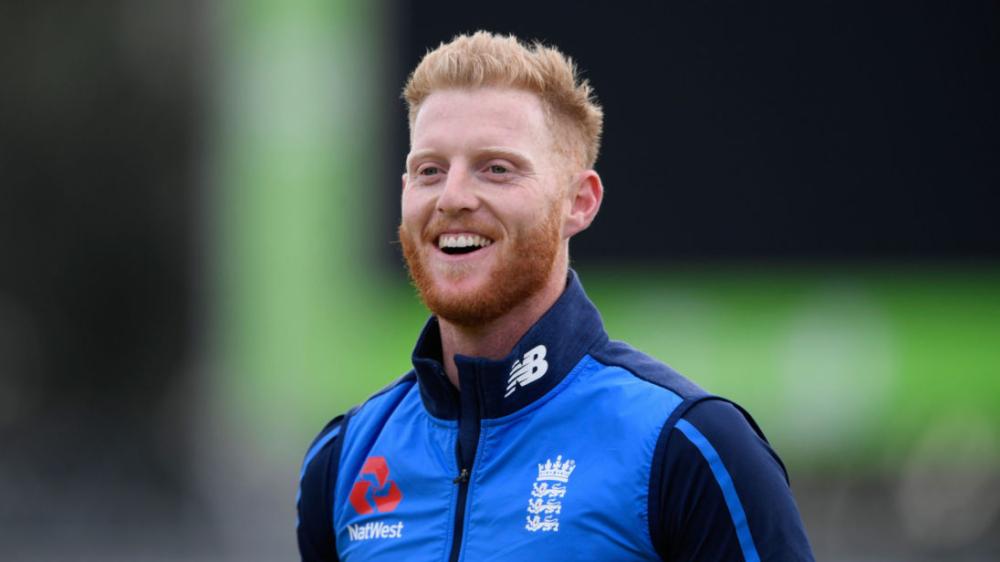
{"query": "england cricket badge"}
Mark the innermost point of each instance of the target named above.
(547, 492)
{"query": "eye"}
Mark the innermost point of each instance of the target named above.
(429, 171)
(498, 169)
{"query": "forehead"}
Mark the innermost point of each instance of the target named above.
(492, 116)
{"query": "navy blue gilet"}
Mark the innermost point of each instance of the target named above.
(573, 447)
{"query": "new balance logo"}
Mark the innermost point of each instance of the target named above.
(528, 370)
(384, 494)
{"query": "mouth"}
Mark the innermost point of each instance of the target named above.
(462, 243)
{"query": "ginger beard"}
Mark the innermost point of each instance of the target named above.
(522, 269)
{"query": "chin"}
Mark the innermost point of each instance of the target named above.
(484, 294)
(470, 296)
(461, 277)
(476, 292)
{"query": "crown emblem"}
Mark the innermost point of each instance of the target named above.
(558, 471)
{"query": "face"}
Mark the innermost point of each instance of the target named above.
(483, 203)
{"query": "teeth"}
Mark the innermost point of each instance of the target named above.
(463, 241)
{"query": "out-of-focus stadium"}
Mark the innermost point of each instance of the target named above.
(197, 223)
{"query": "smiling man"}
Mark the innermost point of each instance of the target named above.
(523, 432)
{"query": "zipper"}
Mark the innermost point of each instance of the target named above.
(465, 453)
(463, 491)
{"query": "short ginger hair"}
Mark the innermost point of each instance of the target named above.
(485, 59)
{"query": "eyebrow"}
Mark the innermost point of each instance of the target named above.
(418, 154)
(516, 156)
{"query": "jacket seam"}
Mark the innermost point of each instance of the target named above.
(333, 473)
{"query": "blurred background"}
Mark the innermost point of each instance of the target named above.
(198, 267)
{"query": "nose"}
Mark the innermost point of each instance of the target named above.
(459, 193)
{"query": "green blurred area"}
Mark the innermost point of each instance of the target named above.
(845, 367)
(842, 366)
(842, 369)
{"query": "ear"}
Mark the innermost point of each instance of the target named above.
(585, 196)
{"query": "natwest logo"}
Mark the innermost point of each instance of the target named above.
(373, 490)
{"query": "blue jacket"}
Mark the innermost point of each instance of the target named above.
(574, 447)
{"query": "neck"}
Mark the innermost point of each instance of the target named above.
(496, 339)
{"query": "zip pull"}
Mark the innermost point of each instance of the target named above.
(462, 477)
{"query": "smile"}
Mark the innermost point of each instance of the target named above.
(462, 243)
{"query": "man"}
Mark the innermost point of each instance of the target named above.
(523, 432)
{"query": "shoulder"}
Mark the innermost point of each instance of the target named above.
(327, 439)
(718, 427)
(717, 490)
(646, 368)
(721, 492)
(699, 415)
(323, 443)
(388, 396)
(319, 471)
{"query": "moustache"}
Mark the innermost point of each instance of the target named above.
(439, 226)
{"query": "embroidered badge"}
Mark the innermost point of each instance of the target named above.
(546, 494)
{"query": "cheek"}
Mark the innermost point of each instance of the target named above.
(414, 209)
(529, 214)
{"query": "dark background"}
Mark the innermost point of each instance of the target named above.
(777, 130)
(101, 126)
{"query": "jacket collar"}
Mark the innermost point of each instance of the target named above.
(546, 353)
